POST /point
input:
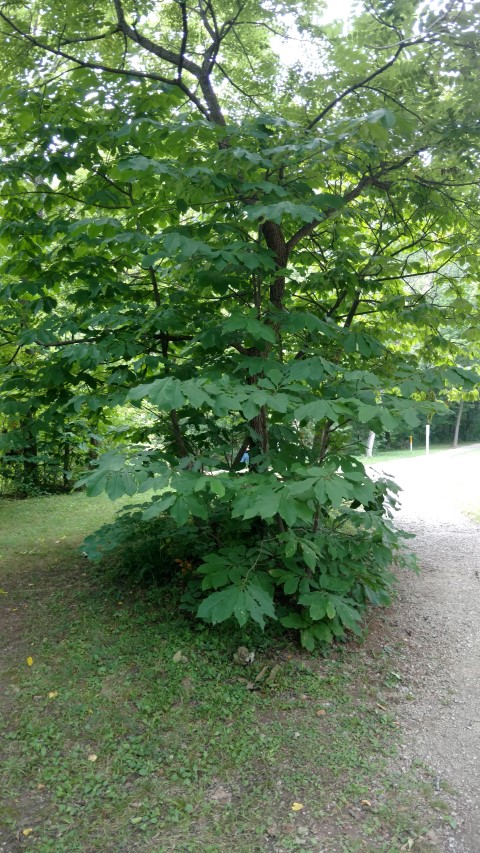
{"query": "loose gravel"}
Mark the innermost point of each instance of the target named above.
(436, 620)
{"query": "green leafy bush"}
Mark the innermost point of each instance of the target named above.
(266, 551)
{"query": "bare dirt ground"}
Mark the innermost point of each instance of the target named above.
(436, 624)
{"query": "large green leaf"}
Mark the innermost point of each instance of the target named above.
(219, 606)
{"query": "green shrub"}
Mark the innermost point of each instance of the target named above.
(314, 575)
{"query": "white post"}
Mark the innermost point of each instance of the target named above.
(427, 439)
(370, 443)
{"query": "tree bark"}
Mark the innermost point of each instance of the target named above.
(66, 466)
(320, 441)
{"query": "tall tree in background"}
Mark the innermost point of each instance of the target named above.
(192, 226)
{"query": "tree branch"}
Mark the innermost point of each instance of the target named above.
(201, 73)
(309, 227)
(168, 56)
(353, 310)
(83, 39)
(361, 83)
(96, 66)
(368, 179)
(243, 449)
(183, 46)
(153, 279)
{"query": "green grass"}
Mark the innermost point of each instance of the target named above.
(391, 455)
(111, 743)
(36, 525)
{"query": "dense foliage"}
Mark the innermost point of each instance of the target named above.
(260, 256)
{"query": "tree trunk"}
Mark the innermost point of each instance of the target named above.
(370, 443)
(457, 425)
(320, 441)
(31, 473)
(260, 426)
(66, 466)
(30, 464)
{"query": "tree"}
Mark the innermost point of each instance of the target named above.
(234, 245)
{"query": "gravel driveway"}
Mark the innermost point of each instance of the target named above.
(437, 620)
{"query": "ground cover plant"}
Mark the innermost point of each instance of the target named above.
(129, 726)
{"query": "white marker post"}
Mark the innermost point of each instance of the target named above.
(427, 439)
(411, 443)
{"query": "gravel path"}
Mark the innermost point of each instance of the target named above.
(437, 619)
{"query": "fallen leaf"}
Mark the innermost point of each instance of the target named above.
(53, 694)
(262, 673)
(30, 661)
(3, 592)
(297, 807)
(179, 658)
(366, 803)
(92, 757)
(40, 787)
(274, 672)
(27, 832)
(321, 712)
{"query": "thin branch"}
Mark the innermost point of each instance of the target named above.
(112, 183)
(96, 66)
(309, 227)
(12, 359)
(401, 47)
(213, 32)
(183, 46)
(67, 343)
(388, 24)
(153, 279)
(238, 88)
(395, 101)
(83, 39)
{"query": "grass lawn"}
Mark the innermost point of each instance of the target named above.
(389, 455)
(126, 726)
